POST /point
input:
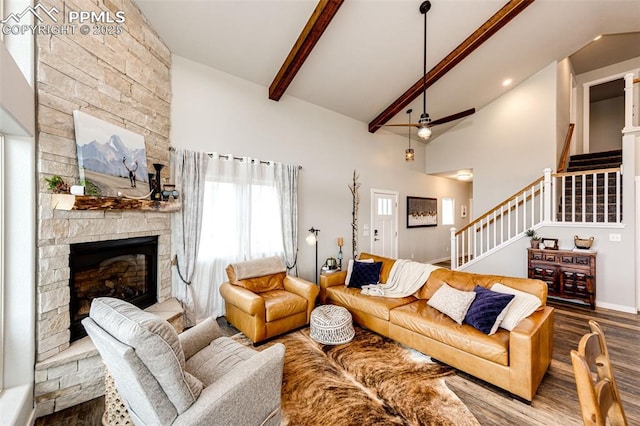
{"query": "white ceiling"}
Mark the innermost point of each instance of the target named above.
(372, 50)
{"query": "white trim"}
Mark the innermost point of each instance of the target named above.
(2, 268)
(615, 307)
(637, 240)
(396, 195)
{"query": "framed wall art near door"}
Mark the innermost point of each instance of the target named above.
(422, 212)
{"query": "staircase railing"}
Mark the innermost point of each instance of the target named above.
(562, 164)
(577, 197)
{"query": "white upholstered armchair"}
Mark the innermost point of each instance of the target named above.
(194, 378)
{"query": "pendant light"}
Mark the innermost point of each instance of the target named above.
(409, 155)
(424, 132)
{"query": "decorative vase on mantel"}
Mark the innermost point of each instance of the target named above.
(154, 183)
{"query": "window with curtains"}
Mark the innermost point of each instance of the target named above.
(242, 216)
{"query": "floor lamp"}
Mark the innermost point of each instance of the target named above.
(312, 239)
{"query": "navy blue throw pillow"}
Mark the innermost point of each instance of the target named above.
(364, 273)
(486, 308)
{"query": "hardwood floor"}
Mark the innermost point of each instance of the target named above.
(556, 402)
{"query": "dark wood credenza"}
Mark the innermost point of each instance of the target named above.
(569, 274)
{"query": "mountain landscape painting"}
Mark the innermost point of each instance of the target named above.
(112, 161)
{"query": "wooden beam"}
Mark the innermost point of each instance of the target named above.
(311, 33)
(471, 43)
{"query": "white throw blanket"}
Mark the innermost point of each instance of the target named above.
(405, 278)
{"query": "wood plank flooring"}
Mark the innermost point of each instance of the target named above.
(556, 402)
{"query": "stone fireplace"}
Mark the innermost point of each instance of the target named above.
(124, 269)
(123, 79)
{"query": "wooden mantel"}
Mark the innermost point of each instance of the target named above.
(86, 202)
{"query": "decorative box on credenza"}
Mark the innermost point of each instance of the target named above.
(569, 274)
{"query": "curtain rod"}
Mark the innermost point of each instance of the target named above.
(229, 157)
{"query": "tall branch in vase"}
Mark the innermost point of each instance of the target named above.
(354, 224)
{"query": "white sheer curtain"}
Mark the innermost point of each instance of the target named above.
(188, 169)
(241, 221)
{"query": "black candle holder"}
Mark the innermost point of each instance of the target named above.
(154, 183)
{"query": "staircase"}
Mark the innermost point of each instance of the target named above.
(578, 203)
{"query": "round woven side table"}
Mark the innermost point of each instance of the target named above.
(331, 325)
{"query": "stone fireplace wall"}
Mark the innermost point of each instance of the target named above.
(123, 79)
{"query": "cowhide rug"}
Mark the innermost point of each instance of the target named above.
(371, 380)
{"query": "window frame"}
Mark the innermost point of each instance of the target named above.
(452, 211)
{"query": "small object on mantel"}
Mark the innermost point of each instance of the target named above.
(77, 190)
(85, 202)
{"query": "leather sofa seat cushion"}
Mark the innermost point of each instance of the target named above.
(466, 281)
(387, 264)
(217, 359)
(427, 321)
(281, 304)
(377, 306)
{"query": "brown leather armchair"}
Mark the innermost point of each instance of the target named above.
(262, 301)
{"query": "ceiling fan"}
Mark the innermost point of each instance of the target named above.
(425, 123)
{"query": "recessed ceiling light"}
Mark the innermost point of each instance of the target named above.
(597, 37)
(507, 82)
(464, 176)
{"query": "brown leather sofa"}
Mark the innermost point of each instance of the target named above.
(267, 305)
(515, 361)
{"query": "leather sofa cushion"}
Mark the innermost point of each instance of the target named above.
(427, 321)
(353, 298)
(260, 284)
(466, 281)
(281, 304)
(387, 264)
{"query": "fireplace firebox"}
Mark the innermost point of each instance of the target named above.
(124, 269)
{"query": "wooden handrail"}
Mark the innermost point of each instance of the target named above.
(513, 207)
(586, 172)
(508, 200)
(636, 81)
(565, 149)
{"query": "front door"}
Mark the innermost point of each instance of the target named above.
(384, 223)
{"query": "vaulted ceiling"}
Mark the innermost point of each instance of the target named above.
(371, 52)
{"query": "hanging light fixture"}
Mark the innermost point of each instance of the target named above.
(409, 154)
(424, 131)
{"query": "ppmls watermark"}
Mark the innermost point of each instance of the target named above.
(50, 21)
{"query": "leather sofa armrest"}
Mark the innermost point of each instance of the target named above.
(303, 288)
(199, 337)
(531, 351)
(245, 300)
(330, 280)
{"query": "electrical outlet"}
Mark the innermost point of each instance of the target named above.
(615, 237)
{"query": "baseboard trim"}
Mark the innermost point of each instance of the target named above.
(615, 307)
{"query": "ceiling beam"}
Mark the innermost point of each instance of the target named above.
(311, 33)
(471, 43)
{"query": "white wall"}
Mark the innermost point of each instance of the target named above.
(616, 261)
(563, 112)
(595, 75)
(508, 143)
(214, 111)
(606, 124)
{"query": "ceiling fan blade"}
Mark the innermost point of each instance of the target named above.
(400, 125)
(452, 117)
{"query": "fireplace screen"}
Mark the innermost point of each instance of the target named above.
(124, 269)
